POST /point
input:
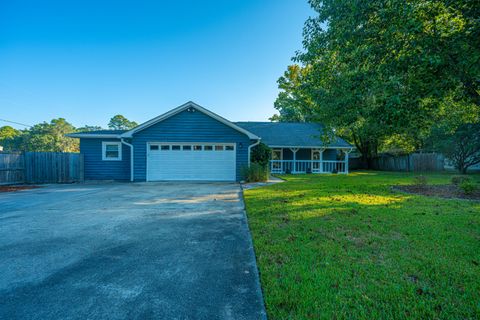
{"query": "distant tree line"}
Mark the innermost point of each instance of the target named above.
(390, 76)
(50, 136)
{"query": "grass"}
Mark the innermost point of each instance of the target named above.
(347, 247)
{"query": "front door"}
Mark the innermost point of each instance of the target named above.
(277, 157)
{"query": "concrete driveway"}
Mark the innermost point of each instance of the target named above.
(127, 251)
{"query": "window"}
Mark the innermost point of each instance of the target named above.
(111, 150)
(175, 147)
(277, 154)
(208, 148)
(187, 147)
(165, 147)
(153, 147)
(229, 148)
(197, 148)
(218, 148)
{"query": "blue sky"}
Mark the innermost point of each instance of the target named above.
(89, 60)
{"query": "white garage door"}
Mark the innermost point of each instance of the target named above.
(188, 161)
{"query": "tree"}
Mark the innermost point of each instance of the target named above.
(381, 69)
(49, 137)
(8, 136)
(461, 146)
(119, 122)
(293, 104)
(87, 128)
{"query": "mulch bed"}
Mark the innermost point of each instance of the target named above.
(16, 188)
(447, 191)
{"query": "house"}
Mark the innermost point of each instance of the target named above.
(193, 143)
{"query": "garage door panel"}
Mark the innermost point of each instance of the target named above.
(217, 163)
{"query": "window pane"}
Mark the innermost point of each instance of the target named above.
(175, 147)
(187, 147)
(112, 151)
(111, 147)
(111, 154)
(165, 147)
(229, 148)
(208, 148)
(218, 148)
(154, 147)
(197, 148)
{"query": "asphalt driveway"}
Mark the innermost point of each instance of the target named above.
(127, 251)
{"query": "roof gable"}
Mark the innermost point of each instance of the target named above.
(181, 108)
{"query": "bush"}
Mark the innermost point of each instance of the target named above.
(468, 187)
(261, 154)
(255, 173)
(458, 180)
(420, 181)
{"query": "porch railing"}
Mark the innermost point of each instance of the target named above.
(308, 166)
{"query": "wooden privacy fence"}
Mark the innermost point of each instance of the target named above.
(416, 162)
(41, 167)
(12, 168)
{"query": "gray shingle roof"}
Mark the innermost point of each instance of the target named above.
(103, 132)
(286, 134)
(290, 134)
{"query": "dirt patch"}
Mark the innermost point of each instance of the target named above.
(16, 188)
(447, 191)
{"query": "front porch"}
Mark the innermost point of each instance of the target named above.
(309, 160)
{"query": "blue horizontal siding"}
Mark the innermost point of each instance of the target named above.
(188, 127)
(98, 169)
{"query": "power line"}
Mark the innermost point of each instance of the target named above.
(21, 124)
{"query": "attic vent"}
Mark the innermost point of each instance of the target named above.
(191, 109)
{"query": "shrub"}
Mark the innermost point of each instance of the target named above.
(255, 173)
(261, 154)
(458, 180)
(468, 187)
(420, 181)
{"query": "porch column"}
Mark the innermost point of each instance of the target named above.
(294, 151)
(347, 152)
(321, 159)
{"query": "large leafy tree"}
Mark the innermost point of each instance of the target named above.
(293, 103)
(8, 137)
(461, 146)
(119, 122)
(380, 69)
(49, 137)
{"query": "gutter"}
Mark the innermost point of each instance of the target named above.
(131, 157)
(250, 150)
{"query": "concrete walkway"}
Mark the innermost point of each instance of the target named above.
(127, 251)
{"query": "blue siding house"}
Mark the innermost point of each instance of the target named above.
(192, 143)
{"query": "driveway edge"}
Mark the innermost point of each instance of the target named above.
(254, 257)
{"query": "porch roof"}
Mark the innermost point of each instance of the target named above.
(291, 134)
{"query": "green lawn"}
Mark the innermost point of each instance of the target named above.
(336, 246)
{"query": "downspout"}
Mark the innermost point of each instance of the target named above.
(131, 157)
(250, 150)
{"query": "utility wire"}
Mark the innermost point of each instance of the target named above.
(21, 124)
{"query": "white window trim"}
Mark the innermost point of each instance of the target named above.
(104, 149)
